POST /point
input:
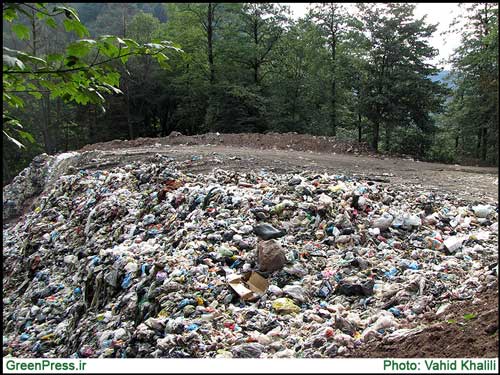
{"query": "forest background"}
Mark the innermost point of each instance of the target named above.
(356, 74)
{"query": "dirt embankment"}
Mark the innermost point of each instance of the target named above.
(465, 331)
(292, 151)
(284, 141)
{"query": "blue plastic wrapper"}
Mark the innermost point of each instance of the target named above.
(192, 327)
(395, 311)
(126, 281)
(25, 336)
(391, 273)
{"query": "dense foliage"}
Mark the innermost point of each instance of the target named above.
(472, 115)
(359, 73)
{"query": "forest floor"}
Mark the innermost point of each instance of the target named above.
(455, 337)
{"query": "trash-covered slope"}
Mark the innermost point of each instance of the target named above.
(143, 260)
(41, 173)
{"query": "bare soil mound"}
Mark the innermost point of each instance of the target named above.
(465, 331)
(280, 141)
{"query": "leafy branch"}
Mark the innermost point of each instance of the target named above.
(85, 68)
(73, 75)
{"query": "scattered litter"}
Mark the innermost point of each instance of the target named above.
(143, 260)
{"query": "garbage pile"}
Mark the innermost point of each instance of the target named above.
(143, 260)
(32, 181)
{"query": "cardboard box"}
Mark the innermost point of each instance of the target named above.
(249, 286)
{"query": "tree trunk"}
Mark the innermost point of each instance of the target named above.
(256, 73)
(376, 129)
(478, 144)
(496, 127)
(170, 126)
(359, 127)
(129, 122)
(33, 30)
(334, 110)
(94, 122)
(5, 167)
(124, 19)
(210, 14)
(388, 136)
(66, 137)
(334, 86)
(163, 124)
(294, 103)
(484, 144)
(57, 125)
(147, 124)
(256, 62)
(90, 125)
(46, 124)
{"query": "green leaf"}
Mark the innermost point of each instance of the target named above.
(13, 140)
(12, 51)
(112, 88)
(89, 41)
(80, 48)
(9, 14)
(53, 57)
(29, 58)
(51, 22)
(154, 45)
(36, 94)
(22, 31)
(51, 86)
(174, 46)
(451, 321)
(72, 60)
(469, 316)
(161, 57)
(76, 26)
(13, 62)
(70, 13)
(108, 49)
(16, 101)
(112, 78)
(130, 43)
(124, 59)
(10, 121)
(26, 135)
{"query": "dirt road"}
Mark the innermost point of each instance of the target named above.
(469, 183)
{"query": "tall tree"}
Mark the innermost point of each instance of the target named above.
(263, 24)
(475, 72)
(333, 21)
(208, 18)
(399, 93)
